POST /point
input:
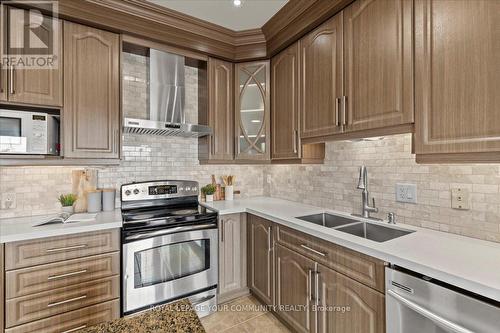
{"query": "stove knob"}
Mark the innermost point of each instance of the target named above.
(127, 192)
(136, 191)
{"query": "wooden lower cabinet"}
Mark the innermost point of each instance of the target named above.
(260, 258)
(48, 277)
(312, 293)
(2, 286)
(347, 306)
(232, 254)
(53, 249)
(294, 274)
(60, 284)
(42, 305)
(72, 321)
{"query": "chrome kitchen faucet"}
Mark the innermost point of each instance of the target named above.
(366, 209)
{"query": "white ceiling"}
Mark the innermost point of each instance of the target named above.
(251, 14)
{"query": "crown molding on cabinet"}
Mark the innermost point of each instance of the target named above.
(143, 19)
(296, 19)
(147, 20)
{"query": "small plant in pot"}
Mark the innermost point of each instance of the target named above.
(208, 191)
(67, 201)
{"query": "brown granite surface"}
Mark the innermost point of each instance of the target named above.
(174, 317)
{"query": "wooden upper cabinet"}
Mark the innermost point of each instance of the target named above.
(457, 66)
(321, 79)
(260, 258)
(38, 86)
(221, 109)
(252, 116)
(378, 64)
(367, 306)
(91, 115)
(284, 104)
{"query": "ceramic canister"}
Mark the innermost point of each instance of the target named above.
(94, 201)
(229, 192)
(108, 199)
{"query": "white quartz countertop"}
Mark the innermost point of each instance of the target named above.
(468, 263)
(21, 228)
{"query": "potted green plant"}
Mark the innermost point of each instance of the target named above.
(208, 191)
(67, 201)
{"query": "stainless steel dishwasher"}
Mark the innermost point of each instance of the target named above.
(418, 304)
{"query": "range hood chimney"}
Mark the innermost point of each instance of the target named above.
(166, 100)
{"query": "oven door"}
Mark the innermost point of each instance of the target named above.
(167, 267)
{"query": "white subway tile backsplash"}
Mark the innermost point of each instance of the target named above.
(390, 161)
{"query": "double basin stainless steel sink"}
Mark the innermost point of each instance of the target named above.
(372, 231)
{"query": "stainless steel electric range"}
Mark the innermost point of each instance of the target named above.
(169, 246)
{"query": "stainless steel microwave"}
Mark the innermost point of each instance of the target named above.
(24, 132)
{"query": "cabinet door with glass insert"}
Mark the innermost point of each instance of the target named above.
(252, 111)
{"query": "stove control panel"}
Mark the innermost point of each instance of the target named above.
(159, 190)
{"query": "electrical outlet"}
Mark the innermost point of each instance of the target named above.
(8, 200)
(460, 198)
(406, 193)
(268, 179)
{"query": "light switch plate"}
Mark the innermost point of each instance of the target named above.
(406, 193)
(460, 198)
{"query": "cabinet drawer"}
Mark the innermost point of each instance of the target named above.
(72, 321)
(360, 267)
(36, 279)
(52, 249)
(42, 305)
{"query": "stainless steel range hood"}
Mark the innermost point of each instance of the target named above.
(166, 100)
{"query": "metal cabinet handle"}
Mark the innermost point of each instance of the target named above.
(337, 111)
(50, 305)
(316, 295)
(68, 248)
(269, 231)
(212, 144)
(55, 277)
(316, 287)
(222, 231)
(309, 283)
(12, 80)
(295, 141)
(344, 115)
(312, 250)
(1, 81)
(117, 140)
(444, 323)
(75, 329)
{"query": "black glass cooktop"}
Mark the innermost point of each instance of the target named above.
(165, 216)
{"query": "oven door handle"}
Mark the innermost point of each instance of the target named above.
(440, 321)
(171, 231)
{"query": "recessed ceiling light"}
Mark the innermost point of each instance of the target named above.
(237, 3)
(255, 121)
